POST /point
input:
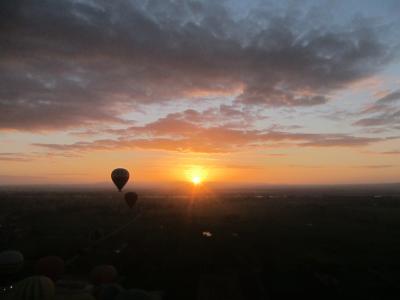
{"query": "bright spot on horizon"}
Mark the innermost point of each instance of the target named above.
(196, 175)
(196, 180)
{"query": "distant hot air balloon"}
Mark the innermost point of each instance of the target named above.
(50, 266)
(104, 274)
(120, 177)
(131, 198)
(34, 288)
(11, 262)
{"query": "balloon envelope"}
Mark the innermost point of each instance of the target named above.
(34, 288)
(50, 266)
(11, 262)
(131, 198)
(120, 177)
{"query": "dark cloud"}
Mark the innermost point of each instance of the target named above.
(390, 98)
(384, 104)
(384, 114)
(375, 166)
(388, 118)
(72, 63)
(394, 152)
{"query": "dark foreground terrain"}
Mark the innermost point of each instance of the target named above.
(317, 243)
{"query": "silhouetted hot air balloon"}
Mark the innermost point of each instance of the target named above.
(120, 177)
(50, 266)
(131, 198)
(11, 262)
(34, 288)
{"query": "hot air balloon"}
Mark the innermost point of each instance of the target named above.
(50, 266)
(104, 274)
(131, 198)
(120, 177)
(11, 262)
(34, 288)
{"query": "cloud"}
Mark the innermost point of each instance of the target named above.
(384, 103)
(73, 63)
(385, 112)
(375, 166)
(393, 152)
(382, 119)
(14, 157)
(182, 133)
(340, 140)
(390, 98)
(28, 157)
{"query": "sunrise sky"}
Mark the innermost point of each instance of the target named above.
(252, 92)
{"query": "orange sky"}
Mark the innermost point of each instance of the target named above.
(237, 92)
(295, 166)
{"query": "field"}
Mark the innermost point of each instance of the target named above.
(266, 243)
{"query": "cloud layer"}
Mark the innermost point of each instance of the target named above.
(74, 63)
(189, 132)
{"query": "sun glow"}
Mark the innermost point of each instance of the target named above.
(196, 180)
(196, 175)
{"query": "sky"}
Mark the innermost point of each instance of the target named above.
(239, 92)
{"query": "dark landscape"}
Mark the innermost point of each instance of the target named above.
(190, 243)
(199, 149)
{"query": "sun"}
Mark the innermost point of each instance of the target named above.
(196, 174)
(196, 180)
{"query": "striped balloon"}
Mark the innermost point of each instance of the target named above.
(34, 288)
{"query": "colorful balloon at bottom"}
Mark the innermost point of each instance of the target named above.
(34, 288)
